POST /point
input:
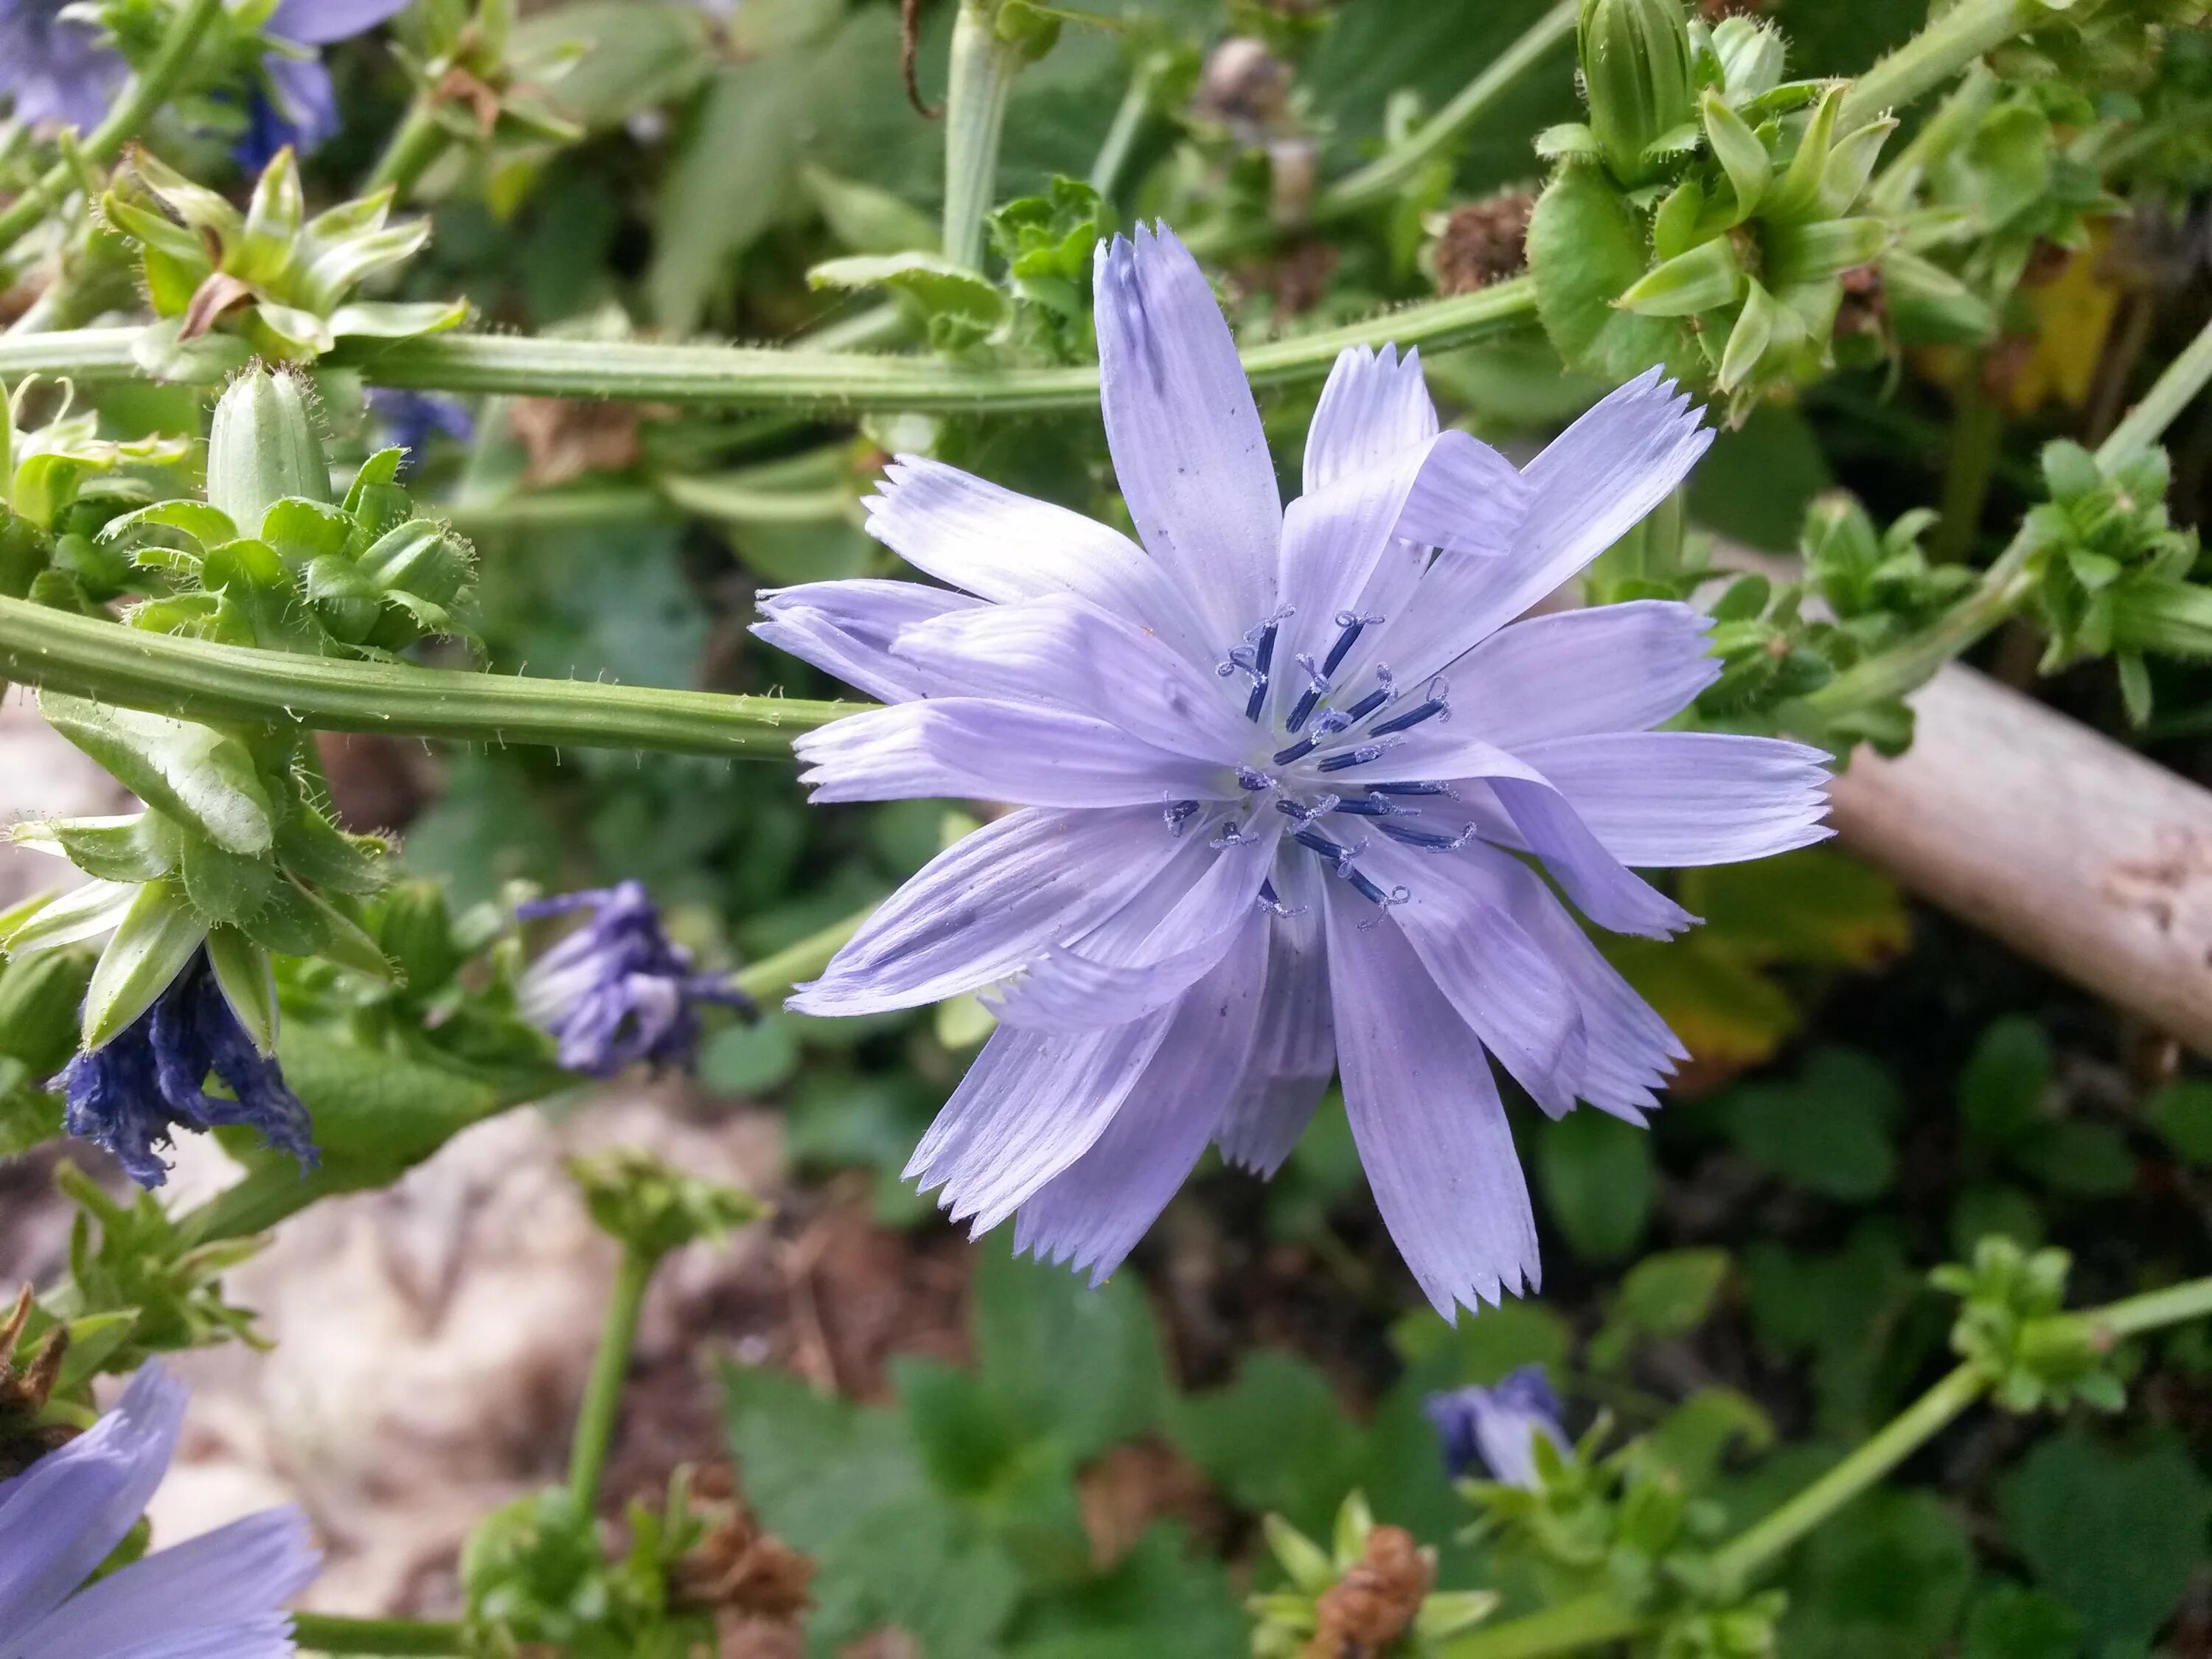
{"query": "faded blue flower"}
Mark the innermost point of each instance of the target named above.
(130, 1095)
(1494, 1431)
(220, 1595)
(616, 990)
(299, 107)
(1283, 775)
(55, 69)
(411, 419)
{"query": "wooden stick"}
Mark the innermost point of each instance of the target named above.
(2073, 849)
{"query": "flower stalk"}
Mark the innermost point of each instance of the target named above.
(595, 1419)
(1934, 56)
(321, 1633)
(981, 79)
(1382, 177)
(2006, 584)
(745, 377)
(193, 679)
(147, 93)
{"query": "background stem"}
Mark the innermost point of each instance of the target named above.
(319, 1633)
(741, 377)
(595, 1417)
(1932, 56)
(980, 80)
(418, 141)
(194, 680)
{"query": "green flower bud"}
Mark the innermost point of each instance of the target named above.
(264, 448)
(1638, 76)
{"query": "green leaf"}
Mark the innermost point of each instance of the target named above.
(1826, 1130)
(2001, 1093)
(39, 998)
(225, 887)
(83, 913)
(1276, 1440)
(1693, 1438)
(156, 938)
(133, 848)
(2008, 1621)
(1707, 276)
(196, 774)
(249, 984)
(2113, 1533)
(1886, 1577)
(1738, 150)
(1586, 246)
(865, 218)
(1599, 1183)
(2181, 1112)
(935, 284)
(1083, 1365)
(1672, 1293)
(2074, 1156)
(1753, 332)
(750, 1058)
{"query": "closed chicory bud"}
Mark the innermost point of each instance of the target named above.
(263, 447)
(1638, 75)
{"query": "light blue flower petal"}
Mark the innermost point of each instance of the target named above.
(1189, 451)
(1375, 407)
(1294, 1052)
(1005, 547)
(1092, 1214)
(318, 22)
(233, 1581)
(848, 628)
(1671, 799)
(61, 1516)
(1611, 668)
(991, 904)
(1426, 1117)
(304, 98)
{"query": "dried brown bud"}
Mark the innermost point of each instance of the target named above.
(1377, 1602)
(1483, 242)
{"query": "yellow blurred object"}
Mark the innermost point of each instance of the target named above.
(2073, 311)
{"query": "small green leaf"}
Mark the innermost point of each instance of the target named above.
(223, 886)
(2181, 1112)
(938, 286)
(249, 984)
(1708, 276)
(1753, 332)
(133, 848)
(1738, 150)
(82, 913)
(1586, 244)
(1599, 1181)
(2001, 1093)
(196, 774)
(153, 942)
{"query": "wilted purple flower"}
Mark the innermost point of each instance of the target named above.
(223, 1593)
(1495, 1429)
(618, 990)
(411, 419)
(130, 1094)
(300, 107)
(55, 68)
(1277, 780)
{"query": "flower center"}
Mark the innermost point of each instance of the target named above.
(1333, 724)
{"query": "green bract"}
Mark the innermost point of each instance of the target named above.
(2010, 1325)
(269, 282)
(1288, 1620)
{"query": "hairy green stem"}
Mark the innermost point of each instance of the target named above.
(417, 141)
(195, 680)
(322, 1632)
(1935, 54)
(1379, 179)
(595, 1419)
(980, 81)
(147, 93)
(2006, 584)
(736, 377)
(1897, 1440)
(1570, 1627)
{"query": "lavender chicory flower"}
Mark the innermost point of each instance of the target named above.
(55, 69)
(1495, 1430)
(299, 107)
(221, 1594)
(411, 419)
(130, 1094)
(1281, 774)
(618, 991)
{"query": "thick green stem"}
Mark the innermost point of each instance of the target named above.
(146, 94)
(1379, 179)
(595, 1419)
(195, 680)
(980, 80)
(319, 1632)
(1568, 1627)
(2176, 1304)
(418, 141)
(737, 377)
(1976, 438)
(2006, 584)
(1935, 54)
(1898, 1440)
